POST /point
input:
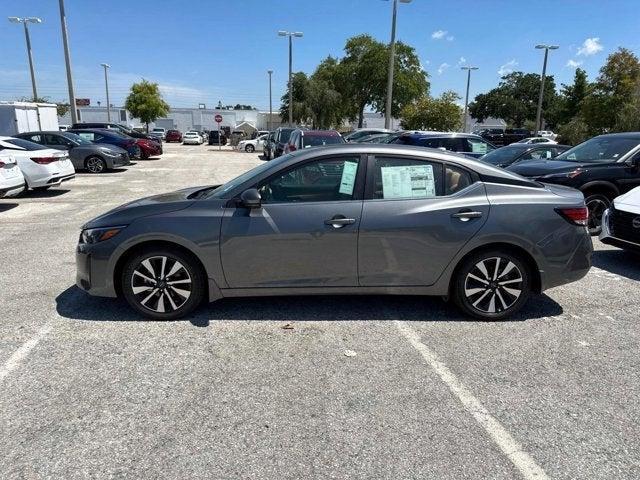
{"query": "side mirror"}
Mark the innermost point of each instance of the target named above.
(251, 198)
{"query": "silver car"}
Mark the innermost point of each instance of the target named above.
(344, 219)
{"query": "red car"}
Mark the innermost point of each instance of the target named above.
(173, 136)
(302, 138)
(148, 148)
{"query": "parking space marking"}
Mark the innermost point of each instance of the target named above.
(525, 464)
(25, 349)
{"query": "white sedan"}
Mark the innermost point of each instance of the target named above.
(536, 140)
(42, 167)
(255, 145)
(192, 138)
(11, 178)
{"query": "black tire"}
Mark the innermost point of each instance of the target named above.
(41, 189)
(144, 289)
(95, 164)
(477, 294)
(249, 148)
(143, 155)
(597, 203)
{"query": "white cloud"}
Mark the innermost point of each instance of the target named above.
(462, 61)
(591, 46)
(450, 38)
(439, 34)
(442, 68)
(507, 68)
(574, 63)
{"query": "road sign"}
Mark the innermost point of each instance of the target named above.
(218, 118)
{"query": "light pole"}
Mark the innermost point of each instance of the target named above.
(106, 85)
(283, 33)
(270, 72)
(67, 59)
(392, 62)
(26, 21)
(544, 72)
(466, 97)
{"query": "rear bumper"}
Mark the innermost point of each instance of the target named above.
(12, 191)
(567, 268)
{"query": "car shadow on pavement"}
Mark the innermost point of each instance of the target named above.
(44, 193)
(102, 174)
(619, 262)
(150, 159)
(75, 304)
(7, 206)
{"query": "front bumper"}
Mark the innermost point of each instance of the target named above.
(92, 269)
(608, 237)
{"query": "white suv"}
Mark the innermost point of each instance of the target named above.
(11, 178)
(621, 222)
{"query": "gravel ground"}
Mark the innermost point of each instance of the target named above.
(362, 387)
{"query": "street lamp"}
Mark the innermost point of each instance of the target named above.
(392, 55)
(67, 61)
(106, 85)
(466, 97)
(544, 72)
(283, 33)
(26, 21)
(270, 72)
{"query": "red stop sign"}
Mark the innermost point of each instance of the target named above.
(218, 118)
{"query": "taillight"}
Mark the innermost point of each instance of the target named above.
(575, 215)
(292, 147)
(45, 160)
(2, 164)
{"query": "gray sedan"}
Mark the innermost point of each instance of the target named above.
(347, 219)
(85, 155)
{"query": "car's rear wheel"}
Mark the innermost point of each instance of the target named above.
(95, 165)
(597, 203)
(163, 284)
(249, 148)
(491, 285)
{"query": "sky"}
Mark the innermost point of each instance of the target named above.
(205, 51)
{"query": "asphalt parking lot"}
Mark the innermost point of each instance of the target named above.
(306, 387)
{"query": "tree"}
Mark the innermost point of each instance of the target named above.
(301, 112)
(515, 99)
(145, 102)
(427, 113)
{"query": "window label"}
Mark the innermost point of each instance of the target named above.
(408, 182)
(348, 179)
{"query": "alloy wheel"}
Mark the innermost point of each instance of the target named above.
(493, 285)
(95, 165)
(596, 205)
(161, 284)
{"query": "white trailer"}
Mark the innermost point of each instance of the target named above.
(19, 117)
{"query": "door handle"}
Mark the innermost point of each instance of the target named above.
(339, 221)
(466, 215)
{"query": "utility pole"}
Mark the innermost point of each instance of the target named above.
(283, 33)
(392, 62)
(466, 98)
(106, 84)
(544, 73)
(25, 22)
(67, 59)
(270, 72)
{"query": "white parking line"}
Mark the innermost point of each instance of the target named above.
(525, 464)
(19, 355)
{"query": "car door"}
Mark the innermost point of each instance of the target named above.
(416, 216)
(305, 234)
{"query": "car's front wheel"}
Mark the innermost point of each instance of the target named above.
(249, 148)
(163, 284)
(95, 165)
(597, 203)
(491, 285)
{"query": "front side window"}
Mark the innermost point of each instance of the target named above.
(327, 180)
(400, 178)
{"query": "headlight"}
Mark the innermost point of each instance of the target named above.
(95, 235)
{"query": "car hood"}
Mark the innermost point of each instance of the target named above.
(629, 202)
(144, 207)
(539, 168)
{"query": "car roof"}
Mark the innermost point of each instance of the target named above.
(321, 133)
(37, 132)
(441, 135)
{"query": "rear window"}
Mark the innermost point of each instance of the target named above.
(320, 140)
(284, 135)
(21, 144)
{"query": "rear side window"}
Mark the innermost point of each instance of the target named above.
(318, 141)
(401, 178)
(456, 179)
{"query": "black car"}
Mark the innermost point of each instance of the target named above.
(217, 138)
(84, 154)
(520, 152)
(602, 168)
(466, 143)
(508, 136)
(280, 139)
(269, 146)
(115, 126)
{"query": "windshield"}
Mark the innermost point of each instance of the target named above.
(231, 184)
(22, 144)
(77, 138)
(600, 149)
(319, 140)
(284, 135)
(501, 155)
